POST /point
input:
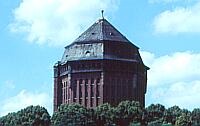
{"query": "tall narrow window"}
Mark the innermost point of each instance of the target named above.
(86, 90)
(92, 90)
(86, 102)
(98, 81)
(86, 87)
(63, 90)
(92, 100)
(98, 90)
(80, 88)
(92, 81)
(74, 88)
(86, 81)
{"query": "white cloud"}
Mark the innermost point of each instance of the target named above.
(24, 99)
(178, 66)
(184, 94)
(178, 20)
(58, 22)
(173, 79)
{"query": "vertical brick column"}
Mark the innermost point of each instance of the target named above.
(95, 93)
(63, 92)
(134, 86)
(70, 98)
(57, 88)
(83, 93)
(67, 92)
(72, 93)
(70, 88)
(101, 88)
(56, 94)
(89, 93)
(77, 91)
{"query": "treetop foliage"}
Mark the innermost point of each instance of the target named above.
(126, 113)
(30, 116)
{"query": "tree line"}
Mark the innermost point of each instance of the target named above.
(126, 113)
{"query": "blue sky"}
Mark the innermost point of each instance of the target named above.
(33, 34)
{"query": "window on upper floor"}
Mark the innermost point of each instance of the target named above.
(98, 81)
(92, 90)
(86, 81)
(92, 81)
(86, 90)
(87, 53)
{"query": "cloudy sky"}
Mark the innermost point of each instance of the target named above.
(33, 34)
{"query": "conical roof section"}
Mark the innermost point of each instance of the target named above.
(100, 31)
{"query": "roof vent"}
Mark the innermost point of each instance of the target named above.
(111, 33)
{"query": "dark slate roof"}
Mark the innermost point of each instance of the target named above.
(101, 30)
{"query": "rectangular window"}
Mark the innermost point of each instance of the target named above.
(80, 81)
(74, 88)
(98, 81)
(92, 90)
(80, 91)
(86, 90)
(63, 90)
(92, 81)
(92, 100)
(86, 102)
(86, 81)
(98, 90)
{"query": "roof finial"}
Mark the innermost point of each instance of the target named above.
(102, 14)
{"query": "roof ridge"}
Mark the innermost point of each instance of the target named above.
(101, 30)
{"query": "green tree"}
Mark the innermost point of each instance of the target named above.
(73, 115)
(104, 115)
(128, 112)
(155, 112)
(30, 116)
(171, 114)
(183, 120)
(195, 117)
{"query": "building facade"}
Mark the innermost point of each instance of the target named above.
(100, 66)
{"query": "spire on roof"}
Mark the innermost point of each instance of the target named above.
(102, 14)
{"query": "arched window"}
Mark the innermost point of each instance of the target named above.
(87, 53)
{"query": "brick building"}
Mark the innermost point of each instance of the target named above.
(100, 66)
